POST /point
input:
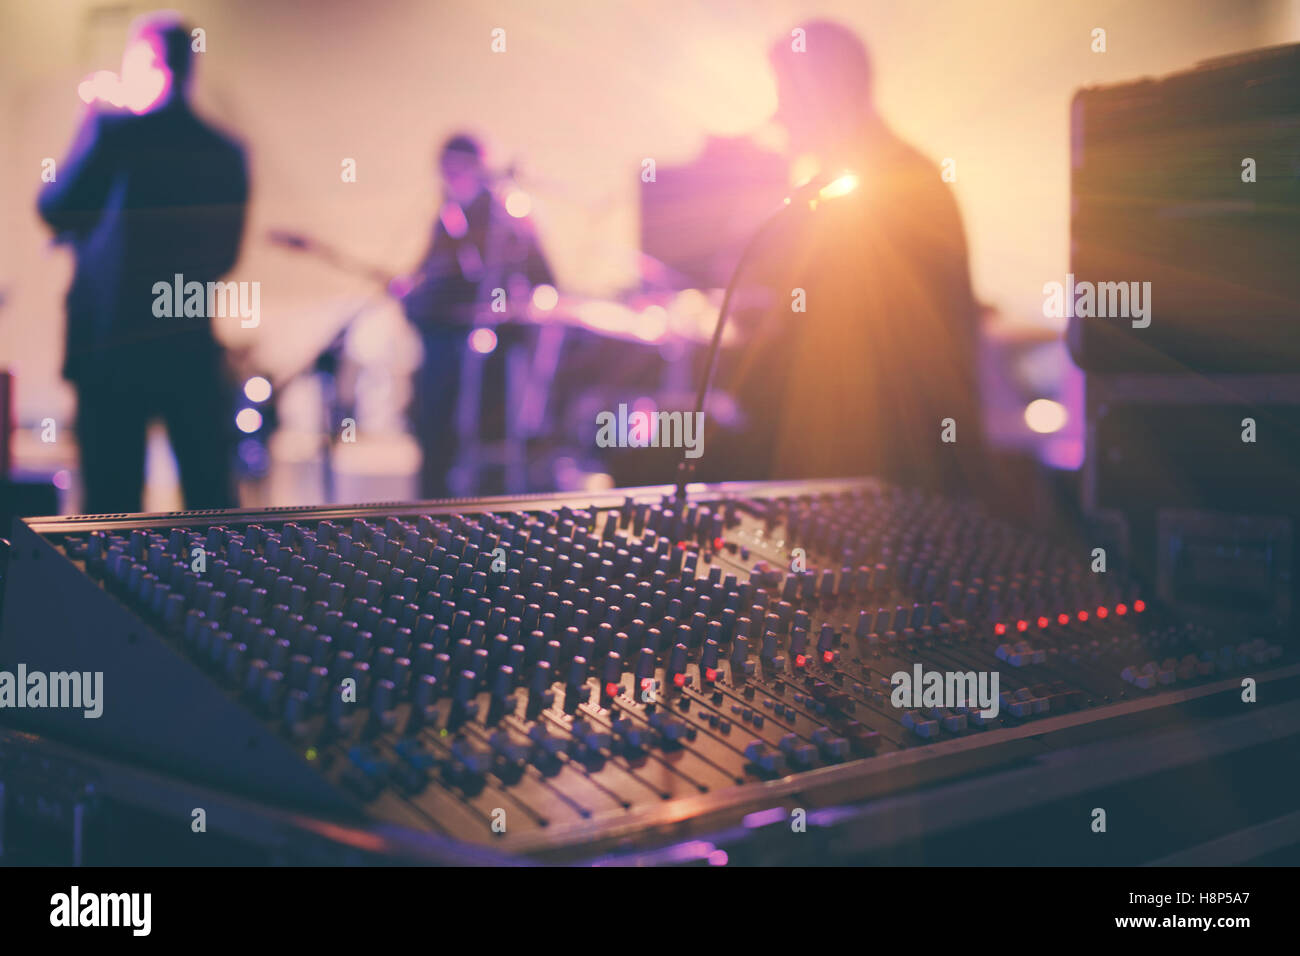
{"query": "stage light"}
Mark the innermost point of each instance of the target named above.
(257, 389)
(841, 186)
(100, 85)
(483, 341)
(518, 203)
(143, 82)
(803, 169)
(545, 297)
(1045, 416)
(248, 420)
(652, 324)
(141, 86)
(820, 190)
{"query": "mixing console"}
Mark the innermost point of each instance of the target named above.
(536, 673)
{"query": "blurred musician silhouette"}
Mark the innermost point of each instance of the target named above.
(477, 248)
(148, 192)
(861, 381)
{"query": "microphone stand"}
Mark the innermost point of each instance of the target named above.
(325, 364)
(807, 193)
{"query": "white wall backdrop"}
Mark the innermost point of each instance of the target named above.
(584, 91)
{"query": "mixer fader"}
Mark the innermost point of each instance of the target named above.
(544, 674)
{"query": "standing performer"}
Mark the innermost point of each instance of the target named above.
(878, 376)
(146, 195)
(477, 247)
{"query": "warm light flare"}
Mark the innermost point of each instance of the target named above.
(483, 341)
(519, 204)
(1045, 416)
(840, 186)
(257, 389)
(803, 170)
(248, 420)
(140, 87)
(545, 297)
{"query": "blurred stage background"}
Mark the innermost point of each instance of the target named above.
(583, 94)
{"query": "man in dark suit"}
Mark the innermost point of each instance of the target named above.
(146, 195)
(871, 348)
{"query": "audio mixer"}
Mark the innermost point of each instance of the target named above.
(572, 677)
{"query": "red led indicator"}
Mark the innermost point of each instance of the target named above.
(1062, 619)
(999, 629)
(828, 656)
(800, 660)
(1022, 626)
(679, 680)
(611, 690)
(717, 544)
(1121, 609)
(1043, 622)
(1083, 615)
(1139, 606)
(1102, 613)
(710, 674)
